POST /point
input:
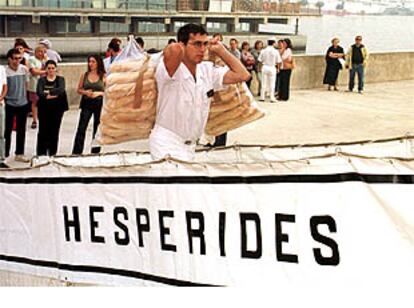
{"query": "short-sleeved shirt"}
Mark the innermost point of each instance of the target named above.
(270, 56)
(53, 55)
(3, 78)
(287, 55)
(16, 84)
(34, 63)
(184, 103)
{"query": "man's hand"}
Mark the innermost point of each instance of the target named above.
(216, 47)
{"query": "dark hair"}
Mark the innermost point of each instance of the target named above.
(114, 45)
(12, 52)
(257, 43)
(50, 62)
(140, 41)
(152, 51)
(183, 34)
(20, 42)
(288, 43)
(101, 67)
(233, 39)
(244, 44)
(270, 42)
(171, 40)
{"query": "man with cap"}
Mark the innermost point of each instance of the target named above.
(51, 54)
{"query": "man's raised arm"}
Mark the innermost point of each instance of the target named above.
(173, 56)
(237, 72)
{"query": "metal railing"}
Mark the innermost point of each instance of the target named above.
(159, 5)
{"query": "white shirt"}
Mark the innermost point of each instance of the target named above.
(287, 55)
(3, 78)
(183, 103)
(270, 56)
(53, 55)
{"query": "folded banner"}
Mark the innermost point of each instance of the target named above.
(328, 220)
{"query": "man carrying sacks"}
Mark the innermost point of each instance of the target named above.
(186, 84)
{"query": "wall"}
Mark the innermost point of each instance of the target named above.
(382, 67)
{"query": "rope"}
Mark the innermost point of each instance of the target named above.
(237, 148)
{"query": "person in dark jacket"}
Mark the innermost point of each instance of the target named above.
(356, 62)
(333, 64)
(52, 105)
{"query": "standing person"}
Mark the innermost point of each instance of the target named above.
(16, 103)
(356, 61)
(3, 93)
(333, 65)
(24, 50)
(114, 49)
(234, 48)
(140, 42)
(257, 69)
(91, 87)
(271, 60)
(186, 84)
(248, 60)
(51, 54)
(53, 103)
(281, 49)
(36, 70)
(287, 65)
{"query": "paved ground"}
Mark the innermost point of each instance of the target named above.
(310, 116)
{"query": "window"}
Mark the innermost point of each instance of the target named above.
(71, 25)
(113, 27)
(150, 26)
(243, 27)
(216, 27)
(178, 25)
(16, 26)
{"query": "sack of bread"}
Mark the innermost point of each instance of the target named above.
(130, 98)
(231, 108)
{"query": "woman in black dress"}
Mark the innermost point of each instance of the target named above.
(333, 64)
(52, 104)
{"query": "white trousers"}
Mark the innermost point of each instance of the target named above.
(163, 142)
(269, 82)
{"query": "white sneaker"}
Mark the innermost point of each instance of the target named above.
(21, 158)
(361, 92)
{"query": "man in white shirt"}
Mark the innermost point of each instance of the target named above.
(186, 84)
(3, 92)
(114, 49)
(271, 60)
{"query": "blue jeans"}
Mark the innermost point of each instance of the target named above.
(359, 69)
(2, 124)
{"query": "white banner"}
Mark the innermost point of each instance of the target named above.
(329, 220)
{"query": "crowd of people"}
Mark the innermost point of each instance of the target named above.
(29, 83)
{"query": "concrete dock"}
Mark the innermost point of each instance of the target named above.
(310, 116)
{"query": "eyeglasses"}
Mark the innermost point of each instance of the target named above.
(199, 44)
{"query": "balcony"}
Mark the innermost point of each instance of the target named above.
(113, 6)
